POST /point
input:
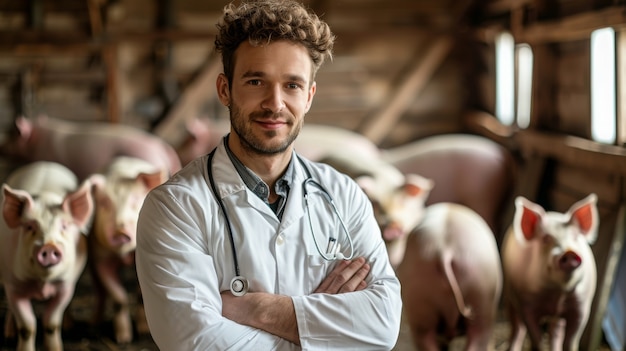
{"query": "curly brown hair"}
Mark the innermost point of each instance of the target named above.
(263, 21)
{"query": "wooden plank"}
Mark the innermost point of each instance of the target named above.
(574, 151)
(489, 126)
(12, 40)
(543, 82)
(95, 19)
(581, 182)
(575, 27)
(109, 55)
(377, 126)
(187, 106)
(607, 251)
(621, 85)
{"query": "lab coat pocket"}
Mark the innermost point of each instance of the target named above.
(317, 271)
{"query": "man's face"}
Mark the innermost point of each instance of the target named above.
(270, 94)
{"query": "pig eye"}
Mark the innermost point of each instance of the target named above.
(29, 227)
(547, 239)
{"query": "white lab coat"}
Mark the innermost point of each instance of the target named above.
(184, 260)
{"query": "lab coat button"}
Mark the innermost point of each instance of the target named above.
(280, 240)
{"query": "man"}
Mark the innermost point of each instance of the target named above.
(230, 254)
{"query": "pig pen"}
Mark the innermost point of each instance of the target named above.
(80, 335)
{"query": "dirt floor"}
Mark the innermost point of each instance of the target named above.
(83, 336)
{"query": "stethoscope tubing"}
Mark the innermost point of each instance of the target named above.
(239, 284)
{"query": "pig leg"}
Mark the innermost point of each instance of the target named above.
(534, 328)
(53, 318)
(557, 334)
(25, 322)
(425, 340)
(109, 277)
(9, 326)
(571, 329)
(479, 332)
(518, 331)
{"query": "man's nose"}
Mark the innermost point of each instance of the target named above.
(274, 100)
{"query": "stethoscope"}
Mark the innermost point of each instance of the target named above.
(239, 284)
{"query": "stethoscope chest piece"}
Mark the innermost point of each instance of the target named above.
(239, 286)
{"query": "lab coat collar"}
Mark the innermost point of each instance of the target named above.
(229, 183)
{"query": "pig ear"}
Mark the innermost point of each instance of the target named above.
(366, 183)
(24, 127)
(196, 127)
(97, 183)
(152, 180)
(14, 204)
(584, 215)
(527, 219)
(80, 204)
(416, 185)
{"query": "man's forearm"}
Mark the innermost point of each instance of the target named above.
(274, 314)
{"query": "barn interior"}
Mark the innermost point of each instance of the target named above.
(517, 73)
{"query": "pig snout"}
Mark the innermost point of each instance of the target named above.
(48, 255)
(120, 238)
(392, 231)
(569, 261)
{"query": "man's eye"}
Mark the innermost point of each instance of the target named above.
(254, 82)
(293, 86)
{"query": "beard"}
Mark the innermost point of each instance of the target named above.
(256, 144)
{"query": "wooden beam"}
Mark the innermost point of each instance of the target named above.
(109, 54)
(378, 126)
(496, 7)
(607, 251)
(575, 27)
(621, 85)
(94, 8)
(11, 40)
(489, 126)
(171, 128)
(575, 151)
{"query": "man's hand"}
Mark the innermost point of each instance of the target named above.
(348, 276)
(270, 312)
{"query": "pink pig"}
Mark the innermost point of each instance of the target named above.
(451, 277)
(203, 134)
(119, 194)
(88, 147)
(43, 248)
(550, 272)
(468, 169)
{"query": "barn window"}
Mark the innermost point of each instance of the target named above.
(514, 71)
(505, 78)
(524, 57)
(603, 86)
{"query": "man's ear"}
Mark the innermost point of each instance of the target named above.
(223, 89)
(309, 102)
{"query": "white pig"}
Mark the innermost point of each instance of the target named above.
(119, 194)
(43, 248)
(451, 279)
(398, 209)
(550, 272)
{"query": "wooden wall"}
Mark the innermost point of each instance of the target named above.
(401, 69)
